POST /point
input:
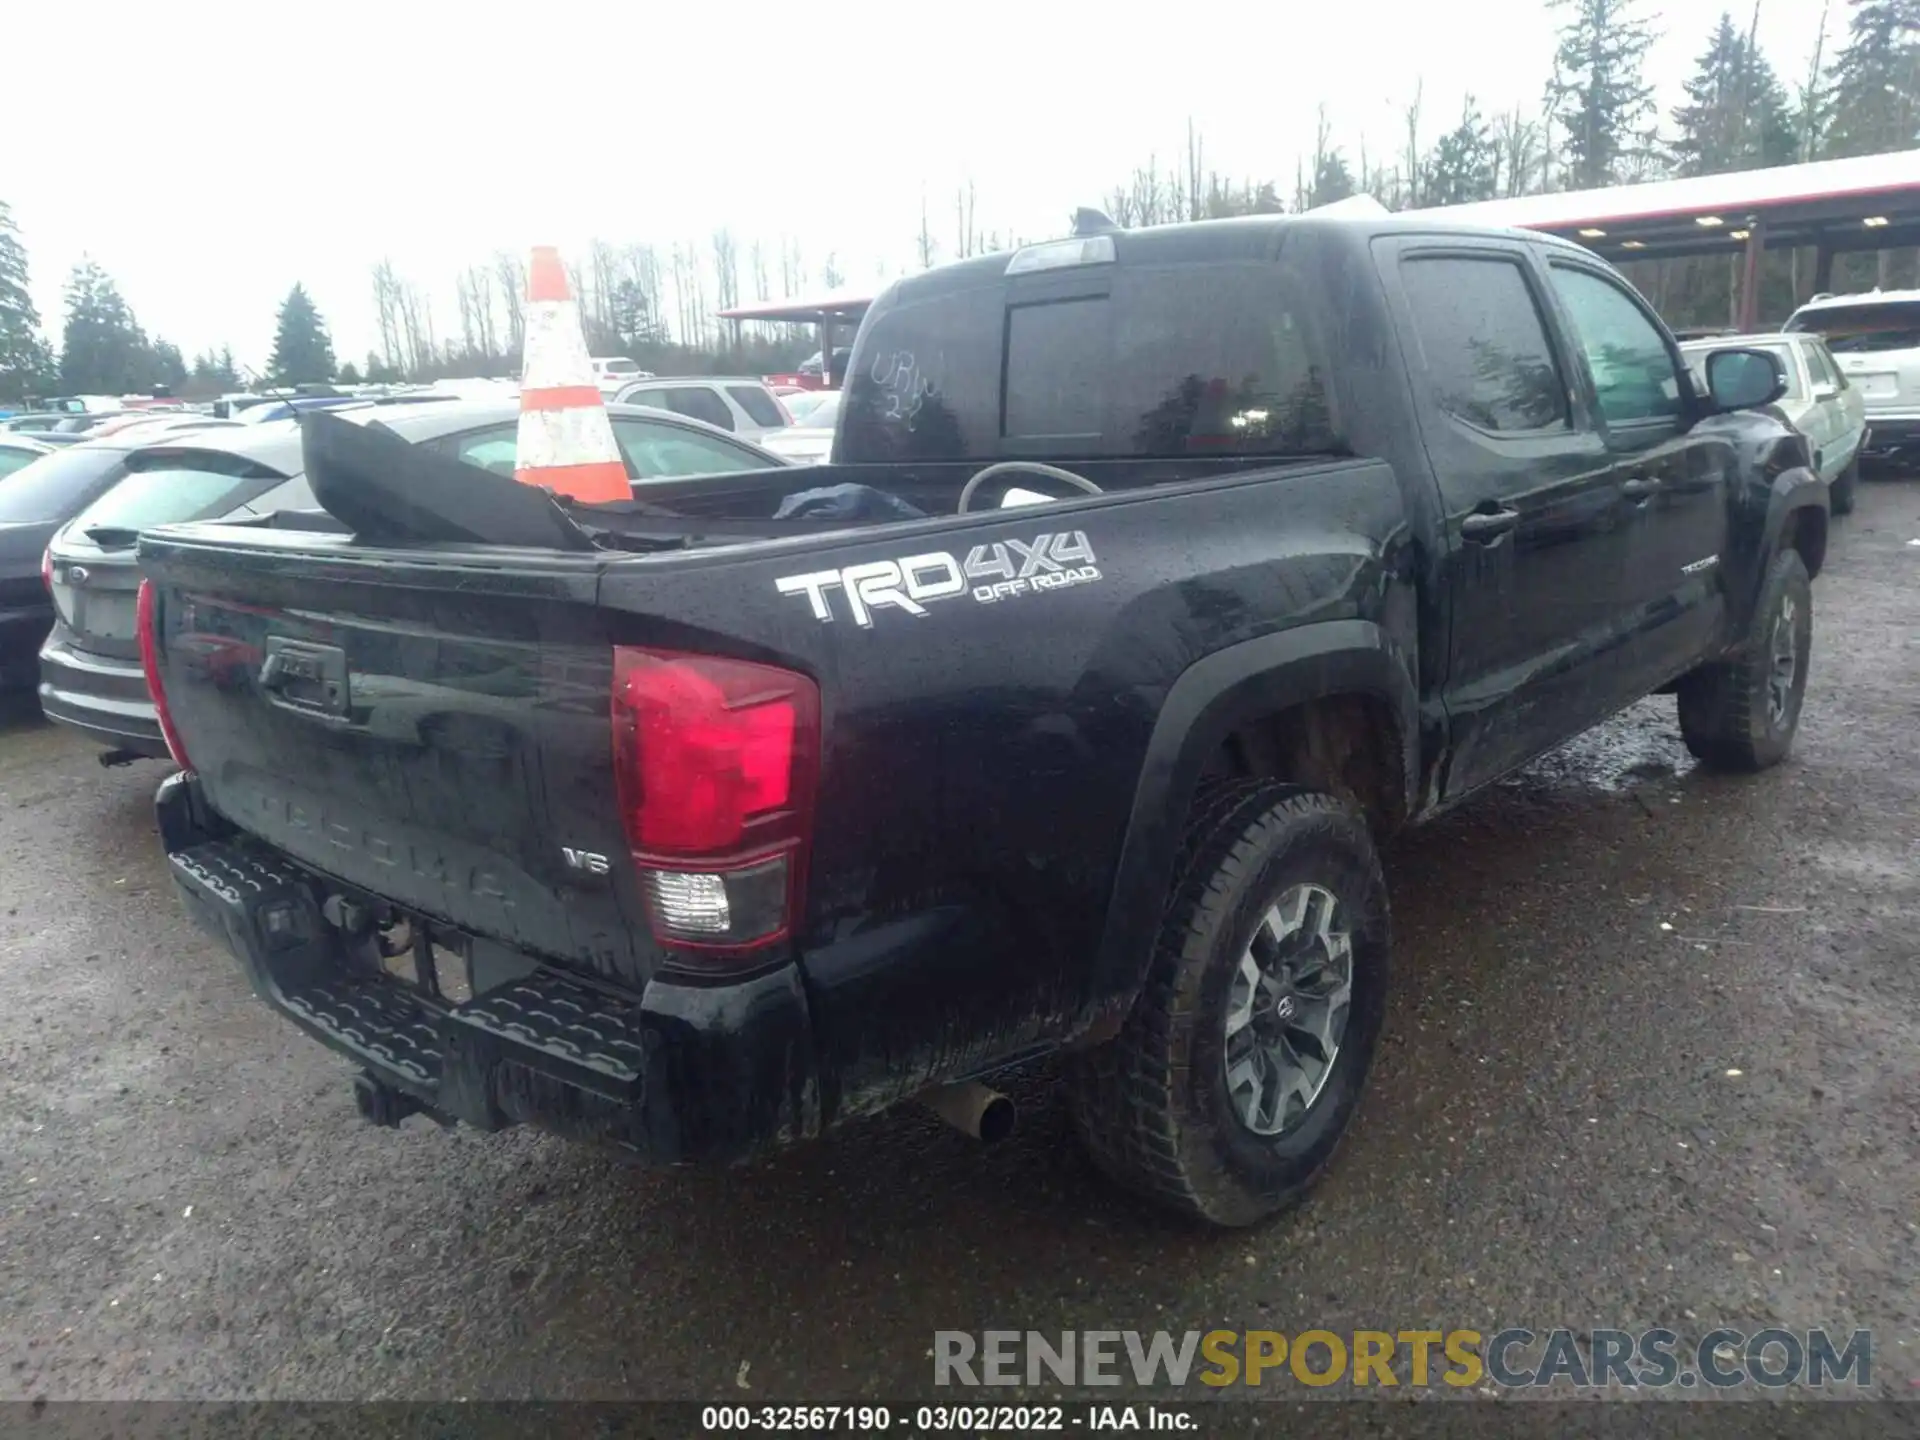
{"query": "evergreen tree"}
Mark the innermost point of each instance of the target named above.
(167, 366)
(349, 374)
(103, 350)
(1465, 164)
(1876, 80)
(302, 350)
(1331, 180)
(26, 363)
(215, 369)
(1598, 92)
(1736, 116)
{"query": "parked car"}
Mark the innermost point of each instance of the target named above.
(152, 422)
(90, 678)
(35, 501)
(808, 441)
(33, 422)
(713, 829)
(800, 404)
(287, 408)
(19, 450)
(658, 446)
(740, 405)
(1876, 340)
(1819, 402)
(85, 422)
(613, 371)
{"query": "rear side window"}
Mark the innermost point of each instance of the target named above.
(1820, 365)
(664, 451)
(167, 489)
(13, 458)
(56, 485)
(1192, 358)
(1483, 344)
(700, 403)
(758, 404)
(1863, 329)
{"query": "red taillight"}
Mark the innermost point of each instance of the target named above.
(144, 621)
(715, 762)
(46, 568)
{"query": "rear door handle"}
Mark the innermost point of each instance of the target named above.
(1640, 487)
(1483, 527)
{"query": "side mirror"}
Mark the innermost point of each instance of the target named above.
(1825, 392)
(1745, 379)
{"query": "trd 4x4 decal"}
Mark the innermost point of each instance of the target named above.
(1000, 570)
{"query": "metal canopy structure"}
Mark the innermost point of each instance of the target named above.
(1867, 202)
(826, 313)
(839, 307)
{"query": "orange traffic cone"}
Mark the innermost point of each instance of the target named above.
(566, 441)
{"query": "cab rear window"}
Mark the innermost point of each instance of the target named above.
(1151, 361)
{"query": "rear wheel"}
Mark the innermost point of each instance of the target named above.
(1741, 714)
(1243, 1060)
(1840, 494)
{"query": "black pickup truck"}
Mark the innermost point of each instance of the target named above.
(1156, 576)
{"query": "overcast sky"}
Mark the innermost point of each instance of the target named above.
(209, 155)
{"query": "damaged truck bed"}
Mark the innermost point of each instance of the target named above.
(1156, 575)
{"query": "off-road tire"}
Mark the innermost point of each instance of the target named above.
(1152, 1104)
(1725, 717)
(1840, 494)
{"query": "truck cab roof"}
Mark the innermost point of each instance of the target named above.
(1219, 338)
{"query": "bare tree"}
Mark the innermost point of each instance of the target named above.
(726, 270)
(511, 271)
(415, 325)
(1413, 147)
(469, 318)
(1194, 148)
(924, 241)
(1518, 143)
(386, 304)
(642, 266)
(967, 238)
(759, 263)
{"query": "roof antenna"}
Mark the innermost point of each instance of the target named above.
(1092, 222)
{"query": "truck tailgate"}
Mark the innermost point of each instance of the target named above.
(432, 728)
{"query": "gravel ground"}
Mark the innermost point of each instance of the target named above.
(1555, 1134)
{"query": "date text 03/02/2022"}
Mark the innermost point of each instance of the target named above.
(940, 1419)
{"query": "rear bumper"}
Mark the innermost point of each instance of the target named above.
(673, 1073)
(22, 632)
(1889, 436)
(103, 698)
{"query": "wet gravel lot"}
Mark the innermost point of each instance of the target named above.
(1556, 1133)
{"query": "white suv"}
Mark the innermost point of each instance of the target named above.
(1876, 339)
(738, 403)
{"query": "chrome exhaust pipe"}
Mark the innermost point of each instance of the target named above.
(972, 1109)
